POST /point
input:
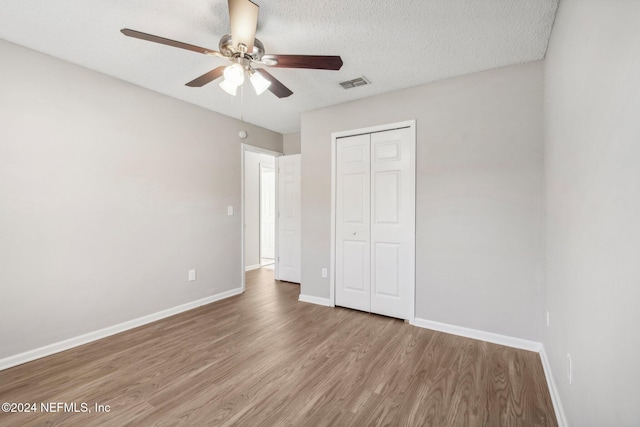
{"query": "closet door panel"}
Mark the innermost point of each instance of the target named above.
(393, 222)
(353, 210)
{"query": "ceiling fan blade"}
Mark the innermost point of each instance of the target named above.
(156, 39)
(277, 88)
(316, 62)
(243, 17)
(207, 77)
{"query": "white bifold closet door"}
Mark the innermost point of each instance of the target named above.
(375, 222)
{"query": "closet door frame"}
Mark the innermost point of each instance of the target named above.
(411, 124)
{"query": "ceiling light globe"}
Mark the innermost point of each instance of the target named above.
(228, 87)
(260, 84)
(234, 74)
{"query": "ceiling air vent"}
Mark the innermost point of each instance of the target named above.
(360, 81)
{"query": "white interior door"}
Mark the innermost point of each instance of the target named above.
(267, 212)
(288, 259)
(392, 222)
(375, 222)
(353, 223)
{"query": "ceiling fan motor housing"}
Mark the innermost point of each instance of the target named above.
(227, 49)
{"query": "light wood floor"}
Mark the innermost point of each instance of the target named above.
(263, 358)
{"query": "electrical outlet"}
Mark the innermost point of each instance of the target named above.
(192, 275)
(570, 373)
(324, 272)
(547, 317)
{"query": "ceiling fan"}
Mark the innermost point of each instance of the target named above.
(245, 51)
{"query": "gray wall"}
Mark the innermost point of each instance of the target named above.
(592, 170)
(479, 195)
(252, 162)
(109, 194)
(291, 143)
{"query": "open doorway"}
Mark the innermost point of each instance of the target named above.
(259, 208)
(267, 214)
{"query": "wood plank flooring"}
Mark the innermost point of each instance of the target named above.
(265, 359)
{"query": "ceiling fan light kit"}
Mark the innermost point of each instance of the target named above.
(244, 50)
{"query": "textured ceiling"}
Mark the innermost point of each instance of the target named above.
(395, 44)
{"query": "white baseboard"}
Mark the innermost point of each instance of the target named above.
(479, 335)
(252, 267)
(553, 390)
(315, 300)
(50, 349)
